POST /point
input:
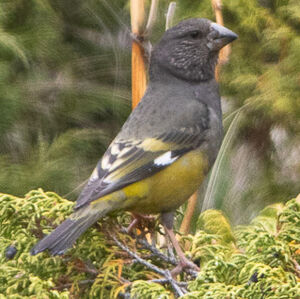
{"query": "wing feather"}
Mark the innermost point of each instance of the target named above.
(128, 161)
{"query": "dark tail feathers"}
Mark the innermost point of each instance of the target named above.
(64, 236)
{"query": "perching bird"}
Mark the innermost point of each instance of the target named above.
(168, 143)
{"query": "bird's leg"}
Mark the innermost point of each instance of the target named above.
(167, 220)
(132, 225)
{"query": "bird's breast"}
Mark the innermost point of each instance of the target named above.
(168, 189)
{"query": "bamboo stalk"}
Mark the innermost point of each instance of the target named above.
(186, 222)
(138, 67)
(138, 75)
(137, 13)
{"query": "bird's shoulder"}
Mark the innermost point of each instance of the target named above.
(163, 111)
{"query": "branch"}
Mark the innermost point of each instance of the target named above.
(163, 281)
(156, 252)
(69, 285)
(165, 258)
(165, 273)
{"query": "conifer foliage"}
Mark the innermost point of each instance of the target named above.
(260, 260)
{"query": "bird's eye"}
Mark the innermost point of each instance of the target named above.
(195, 34)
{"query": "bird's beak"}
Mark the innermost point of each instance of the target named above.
(220, 36)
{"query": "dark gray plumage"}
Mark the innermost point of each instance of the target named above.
(178, 123)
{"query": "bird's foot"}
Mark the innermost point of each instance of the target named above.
(184, 263)
(141, 221)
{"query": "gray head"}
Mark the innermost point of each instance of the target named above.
(189, 50)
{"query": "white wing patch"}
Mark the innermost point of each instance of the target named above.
(124, 151)
(165, 159)
(105, 162)
(115, 150)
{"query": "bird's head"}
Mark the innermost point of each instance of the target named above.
(189, 50)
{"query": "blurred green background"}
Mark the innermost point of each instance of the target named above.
(65, 92)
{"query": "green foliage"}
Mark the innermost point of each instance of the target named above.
(260, 260)
(148, 290)
(263, 263)
(214, 222)
(65, 78)
(63, 82)
(268, 217)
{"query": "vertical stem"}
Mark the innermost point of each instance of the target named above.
(137, 13)
(138, 68)
(186, 222)
(224, 53)
(138, 75)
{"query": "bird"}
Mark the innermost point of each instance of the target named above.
(166, 146)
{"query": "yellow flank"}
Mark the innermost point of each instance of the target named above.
(171, 187)
(166, 190)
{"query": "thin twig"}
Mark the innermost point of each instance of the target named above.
(165, 258)
(85, 268)
(182, 284)
(170, 259)
(174, 283)
(138, 258)
(68, 285)
(165, 273)
(156, 252)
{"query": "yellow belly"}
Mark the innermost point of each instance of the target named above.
(168, 189)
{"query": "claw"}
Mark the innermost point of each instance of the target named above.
(183, 264)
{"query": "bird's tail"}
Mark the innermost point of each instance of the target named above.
(64, 236)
